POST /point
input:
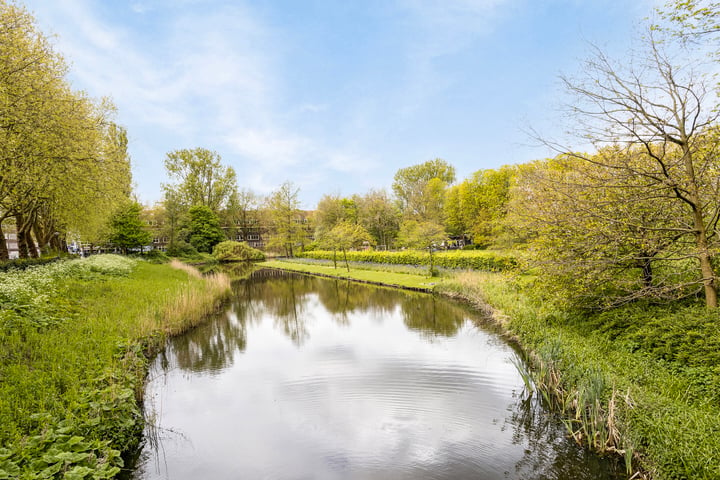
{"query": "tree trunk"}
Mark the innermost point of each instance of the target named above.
(701, 239)
(22, 245)
(4, 253)
(647, 273)
(708, 275)
(32, 249)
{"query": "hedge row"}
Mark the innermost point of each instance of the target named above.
(456, 259)
(23, 263)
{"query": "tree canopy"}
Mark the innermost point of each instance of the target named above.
(286, 218)
(127, 230)
(63, 162)
(200, 178)
(420, 189)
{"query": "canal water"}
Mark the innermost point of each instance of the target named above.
(310, 378)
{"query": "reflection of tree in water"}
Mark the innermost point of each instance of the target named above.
(279, 294)
(211, 346)
(549, 452)
(285, 297)
(343, 297)
(235, 270)
(432, 316)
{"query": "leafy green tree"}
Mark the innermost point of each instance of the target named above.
(201, 178)
(345, 236)
(284, 213)
(380, 216)
(333, 210)
(203, 229)
(63, 162)
(421, 236)
(243, 213)
(127, 230)
(420, 189)
(476, 208)
(173, 217)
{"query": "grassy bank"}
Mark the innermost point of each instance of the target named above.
(74, 337)
(484, 260)
(642, 381)
(380, 276)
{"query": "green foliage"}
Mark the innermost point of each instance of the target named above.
(415, 281)
(601, 238)
(64, 162)
(24, 295)
(232, 251)
(69, 386)
(380, 216)
(693, 21)
(420, 235)
(58, 453)
(284, 210)
(127, 230)
(202, 180)
(477, 207)
(182, 249)
(23, 263)
(630, 377)
(203, 230)
(344, 236)
(420, 189)
(455, 259)
(154, 256)
(333, 210)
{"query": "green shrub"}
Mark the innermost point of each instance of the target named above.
(455, 259)
(154, 256)
(23, 263)
(232, 251)
(181, 249)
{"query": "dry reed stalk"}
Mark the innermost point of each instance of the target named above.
(192, 271)
(193, 305)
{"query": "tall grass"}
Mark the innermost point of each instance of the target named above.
(69, 387)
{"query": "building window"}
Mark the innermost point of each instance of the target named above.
(253, 237)
(239, 238)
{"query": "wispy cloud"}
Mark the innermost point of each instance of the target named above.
(200, 77)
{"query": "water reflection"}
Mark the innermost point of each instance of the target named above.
(324, 379)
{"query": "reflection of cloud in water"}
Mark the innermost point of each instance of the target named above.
(338, 381)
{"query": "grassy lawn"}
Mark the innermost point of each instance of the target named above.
(395, 279)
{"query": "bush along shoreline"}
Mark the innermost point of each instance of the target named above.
(76, 337)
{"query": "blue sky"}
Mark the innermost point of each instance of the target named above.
(333, 95)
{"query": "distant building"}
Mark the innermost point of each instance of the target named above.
(250, 228)
(11, 243)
